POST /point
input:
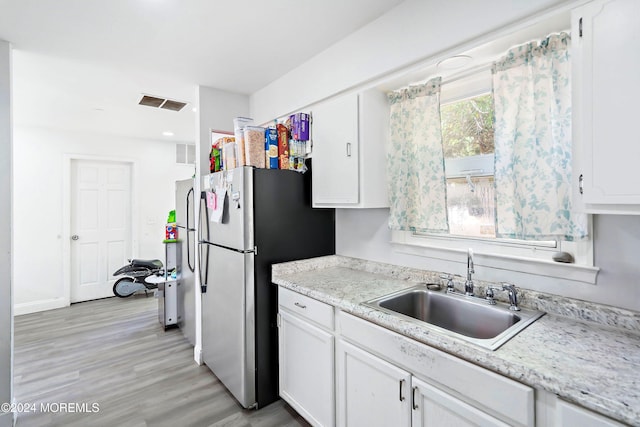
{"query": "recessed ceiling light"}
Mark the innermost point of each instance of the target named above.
(454, 62)
(167, 133)
(194, 109)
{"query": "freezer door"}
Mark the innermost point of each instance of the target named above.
(235, 230)
(228, 322)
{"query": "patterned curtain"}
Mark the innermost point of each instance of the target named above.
(415, 162)
(532, 96)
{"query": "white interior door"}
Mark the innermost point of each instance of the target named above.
(100, 226)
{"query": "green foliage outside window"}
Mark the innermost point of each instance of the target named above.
(467, 127)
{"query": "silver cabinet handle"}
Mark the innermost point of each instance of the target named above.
(297, 304)
(75, 237)
(348, 149)
(401, 396)
(581, 184)
(414, 405)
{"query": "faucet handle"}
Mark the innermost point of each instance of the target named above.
(513, 295)
(449, 279)
(489, 294)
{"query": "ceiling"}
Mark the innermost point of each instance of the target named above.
(84, 64)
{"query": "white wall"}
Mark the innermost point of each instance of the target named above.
(412, 31)
(363, 233)
(6, 314)
(38, 160)
(216, 111)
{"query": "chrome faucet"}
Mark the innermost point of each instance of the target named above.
(468, 284)
(513, 296)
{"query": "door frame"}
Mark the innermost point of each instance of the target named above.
(66, 212)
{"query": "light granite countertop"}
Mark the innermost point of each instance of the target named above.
(586, 353)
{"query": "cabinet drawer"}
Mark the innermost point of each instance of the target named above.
(308, 308)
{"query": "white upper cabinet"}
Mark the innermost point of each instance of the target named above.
(349, 136)
(606, 92)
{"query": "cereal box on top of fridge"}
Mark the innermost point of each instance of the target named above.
(271, 147)
(283, 146)
(300, 126)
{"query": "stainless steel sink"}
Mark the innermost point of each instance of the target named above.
(469, 318)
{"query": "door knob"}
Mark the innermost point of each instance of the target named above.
(75, 237)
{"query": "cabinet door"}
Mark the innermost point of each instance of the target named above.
(571, 415)
(435, 408)
(370, 391)
(606, 90)
(335, 151)
(306, 371)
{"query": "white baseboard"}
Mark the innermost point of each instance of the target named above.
(36, 306)
(197, 354)
(7, 419)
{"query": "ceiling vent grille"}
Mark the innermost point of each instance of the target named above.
(164, 103)
(173, 105)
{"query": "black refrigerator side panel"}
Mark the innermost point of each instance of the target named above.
(286, 229)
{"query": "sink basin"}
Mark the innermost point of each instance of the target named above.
(468, 318)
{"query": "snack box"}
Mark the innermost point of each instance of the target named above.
(300, 126)
(215, 156)
(171, 231)
(283, 146)
(271, 147)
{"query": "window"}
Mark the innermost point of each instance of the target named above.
(467, 142)
(483, 201)
(467, 127)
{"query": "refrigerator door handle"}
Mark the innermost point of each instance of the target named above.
(191, 265)
(204, 268)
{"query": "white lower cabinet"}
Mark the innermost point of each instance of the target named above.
(432, 407)
(386, 379)
(370, 391)
(572, 415)
(339, 369)
(306, 357)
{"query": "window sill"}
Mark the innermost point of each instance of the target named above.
(527, 272)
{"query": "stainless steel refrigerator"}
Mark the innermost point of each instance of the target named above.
(186, 258)
(266, 218)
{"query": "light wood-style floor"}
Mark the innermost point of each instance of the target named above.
(115, 354)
